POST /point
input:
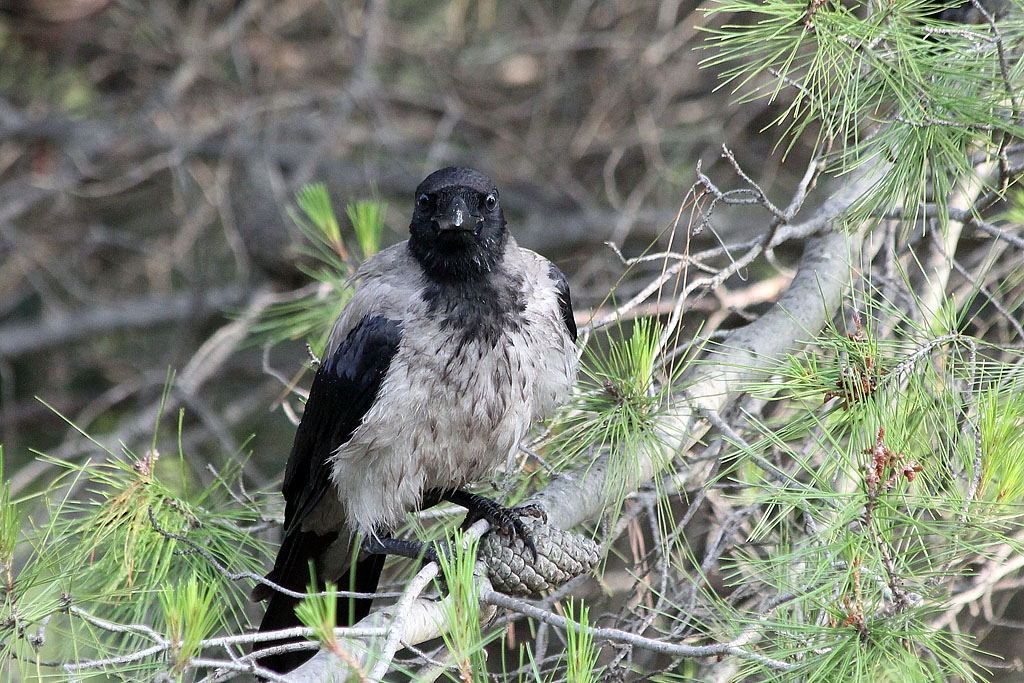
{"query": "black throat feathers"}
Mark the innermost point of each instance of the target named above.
(482, 308)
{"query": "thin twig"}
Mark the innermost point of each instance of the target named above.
(194, 548)
(733, 647)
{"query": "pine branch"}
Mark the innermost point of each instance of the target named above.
(742, 356)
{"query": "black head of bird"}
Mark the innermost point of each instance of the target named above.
(457, 229)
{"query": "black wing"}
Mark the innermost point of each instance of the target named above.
(344, 388)
(564, 299)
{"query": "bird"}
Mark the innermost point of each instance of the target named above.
(453, 344)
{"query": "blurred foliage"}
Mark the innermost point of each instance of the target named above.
(31, 78)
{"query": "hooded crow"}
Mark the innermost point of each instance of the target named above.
(453, 344)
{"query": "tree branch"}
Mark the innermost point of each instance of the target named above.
(19, 339)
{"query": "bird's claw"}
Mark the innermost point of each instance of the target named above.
(506, 519)
(522, 532)
(531, 510)
(509, 521)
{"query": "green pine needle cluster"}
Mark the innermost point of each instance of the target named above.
(320, 613)
(465, 638)
(1000, 425)
(880, 81)
(621, 394)
(328, 257)
(190, 615)
(580, 652)
(126, 539)
(619, 398)
(914, 468)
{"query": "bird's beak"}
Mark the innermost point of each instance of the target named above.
(456, 217)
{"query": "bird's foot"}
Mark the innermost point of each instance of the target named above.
(388, 545)
(414, 550)
(508, 520)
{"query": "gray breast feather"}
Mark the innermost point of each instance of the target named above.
(386, 285)
(449, 410)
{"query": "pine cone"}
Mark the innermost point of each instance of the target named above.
(561, 556)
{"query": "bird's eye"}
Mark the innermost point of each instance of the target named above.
(491, 201)
(423, 202)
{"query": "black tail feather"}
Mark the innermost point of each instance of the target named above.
(293, 574)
